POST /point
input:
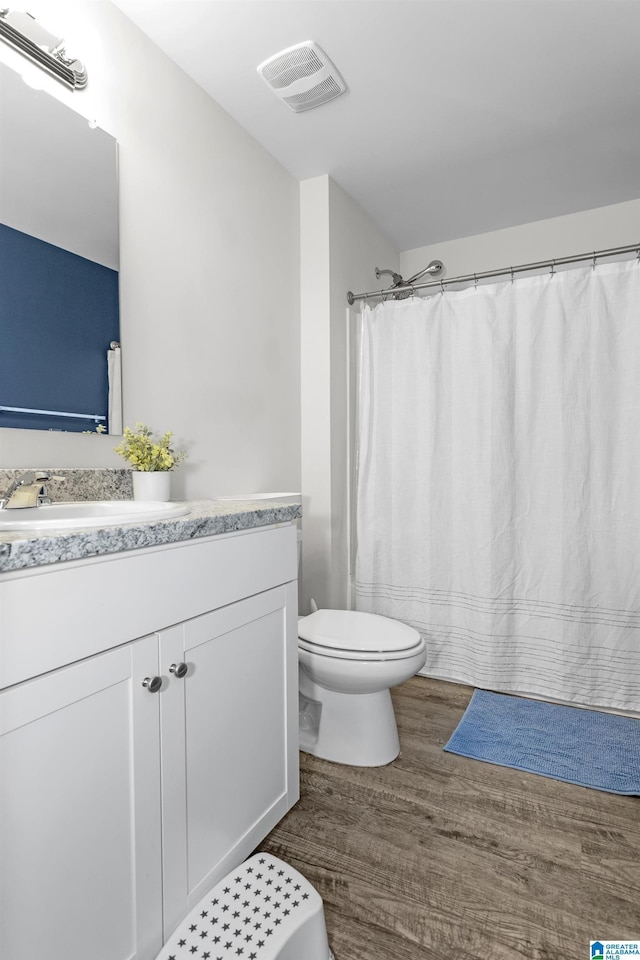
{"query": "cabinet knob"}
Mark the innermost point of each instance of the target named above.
(178, 669)
(152, 684)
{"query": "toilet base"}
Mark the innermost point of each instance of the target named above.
(357, 729)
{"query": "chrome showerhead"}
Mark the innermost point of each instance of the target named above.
(406, 287)
(434, 268)
(397, 279)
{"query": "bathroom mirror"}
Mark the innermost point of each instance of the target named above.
(59, 261)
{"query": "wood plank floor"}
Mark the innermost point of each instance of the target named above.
(438, 856)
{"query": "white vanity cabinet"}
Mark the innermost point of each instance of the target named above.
(135, 777)
(80, 812)
(221, 794)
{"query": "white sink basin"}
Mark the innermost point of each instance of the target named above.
(263, 496)
(92, 513)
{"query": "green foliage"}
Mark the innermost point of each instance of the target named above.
(146, 454)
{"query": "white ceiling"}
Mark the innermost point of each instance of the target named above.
(461, 117)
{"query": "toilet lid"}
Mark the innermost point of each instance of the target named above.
(354, 630)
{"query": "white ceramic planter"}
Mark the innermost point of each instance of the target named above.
(151, 485)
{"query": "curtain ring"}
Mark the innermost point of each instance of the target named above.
(511, 271)
(553, 268)
(594, 259)
(475, 278)
(441, 287)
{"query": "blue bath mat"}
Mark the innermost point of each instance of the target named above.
(586, 747)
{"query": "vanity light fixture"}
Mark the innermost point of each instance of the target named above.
(22, 32)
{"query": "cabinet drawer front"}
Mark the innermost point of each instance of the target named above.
(60, 614)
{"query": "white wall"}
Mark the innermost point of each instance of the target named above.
(209, 231)
(340, 248)
(54, 169)
(598, 229)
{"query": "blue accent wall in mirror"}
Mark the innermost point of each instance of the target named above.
(59, 262)
(58, 315)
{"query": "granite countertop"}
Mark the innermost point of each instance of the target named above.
(21, 549)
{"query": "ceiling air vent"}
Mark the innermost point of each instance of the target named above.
(303, 77)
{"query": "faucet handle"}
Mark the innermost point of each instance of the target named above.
(45, 476)
(42, 476)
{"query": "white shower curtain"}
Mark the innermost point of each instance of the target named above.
(498, 488)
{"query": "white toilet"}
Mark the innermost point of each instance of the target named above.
(348, 660)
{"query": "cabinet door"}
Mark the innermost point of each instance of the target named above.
(229, 740)
(80, 872)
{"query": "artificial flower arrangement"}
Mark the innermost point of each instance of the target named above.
(146, 454)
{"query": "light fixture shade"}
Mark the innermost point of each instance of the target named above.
(302, 76)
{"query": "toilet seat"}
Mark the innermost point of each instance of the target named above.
(354, 635)
(369, 656)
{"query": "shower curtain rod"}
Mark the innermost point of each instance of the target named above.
(400, 292)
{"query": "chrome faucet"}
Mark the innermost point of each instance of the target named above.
(28, 490)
